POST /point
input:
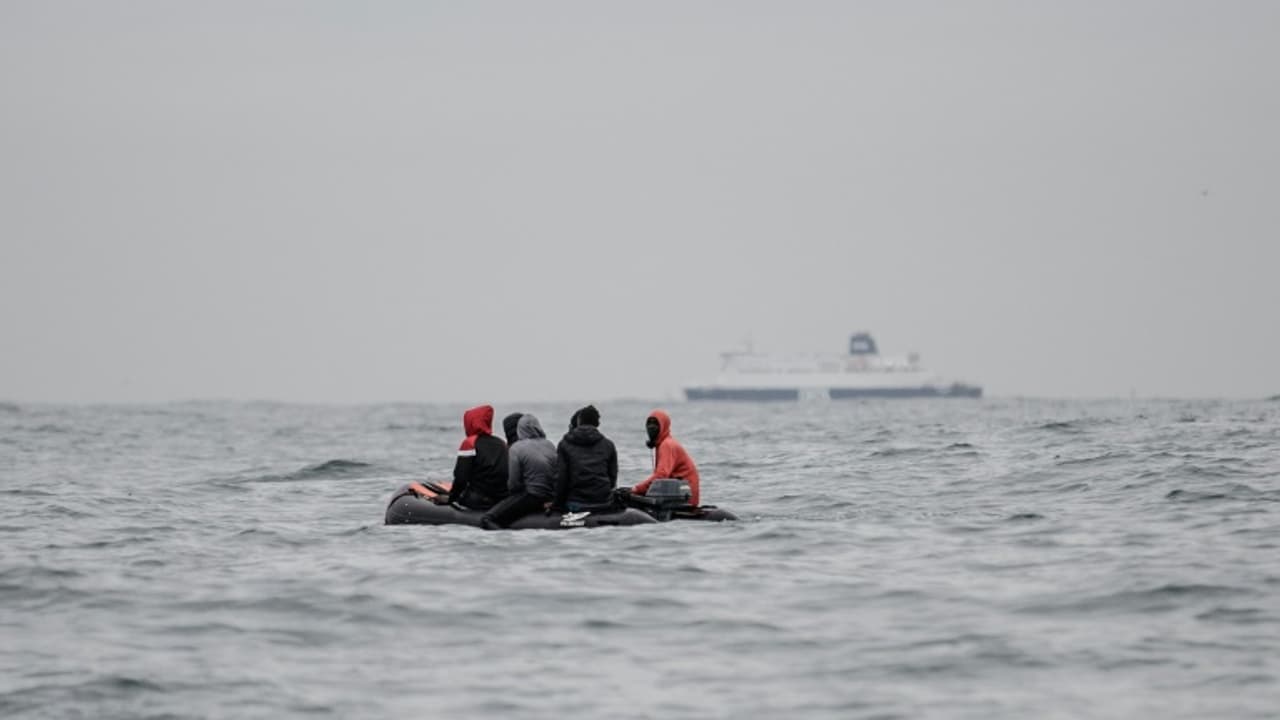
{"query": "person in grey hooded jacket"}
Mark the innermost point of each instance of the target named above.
(531, 475)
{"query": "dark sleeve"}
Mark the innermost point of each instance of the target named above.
(562, 477)
(462, 469)
(515, 483)
(501, 474)
(613, 465)
(556, 472)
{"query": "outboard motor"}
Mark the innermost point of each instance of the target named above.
(665, 496)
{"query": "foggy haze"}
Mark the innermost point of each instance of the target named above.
(486, 202)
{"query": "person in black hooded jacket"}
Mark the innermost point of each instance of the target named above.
(588, 464)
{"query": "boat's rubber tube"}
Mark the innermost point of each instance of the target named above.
(710, 513)
(408, 508)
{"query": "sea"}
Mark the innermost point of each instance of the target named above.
(932, 558)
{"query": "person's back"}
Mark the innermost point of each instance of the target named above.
(480, 472)
(588, 464)
(670, 459)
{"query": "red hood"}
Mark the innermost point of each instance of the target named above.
(478, 420)
(664, 426)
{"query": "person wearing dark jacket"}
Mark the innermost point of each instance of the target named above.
(531, 475)
(588, 464)
(480, 472)
(509, 428)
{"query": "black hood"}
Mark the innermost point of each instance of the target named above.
(584, 435)
(509, 425)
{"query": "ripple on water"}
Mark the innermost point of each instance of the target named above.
(1164, 598)
(1240, 616)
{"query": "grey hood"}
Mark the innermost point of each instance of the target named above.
(529, 427)
(531, 462)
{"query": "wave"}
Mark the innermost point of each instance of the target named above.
(962, 450)
(1094, 459)
(1239, 616)
(1158, 599)
(1194, 496)
(330, 469)
(29, 588)
(28, 492)
(112, 690)
(334, 467)
(424, 428)
(1191, 470)
(24, 576)
(1073, 427)
(1234, 491)
(901, 452)
(64, 512)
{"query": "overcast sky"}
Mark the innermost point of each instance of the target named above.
(472, 201)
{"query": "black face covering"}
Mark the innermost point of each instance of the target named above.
(651, 429)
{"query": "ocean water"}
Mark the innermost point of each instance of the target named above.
(998, 558)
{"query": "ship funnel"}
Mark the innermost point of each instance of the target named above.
(861, 344)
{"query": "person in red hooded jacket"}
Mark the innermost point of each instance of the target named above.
(480, 472)
(670, 459)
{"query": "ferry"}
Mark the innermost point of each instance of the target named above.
(860, 373)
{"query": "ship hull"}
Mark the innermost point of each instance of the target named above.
(779, 394)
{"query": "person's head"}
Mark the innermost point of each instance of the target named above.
(657, 427)
(529, 427)
(509, 424)
(478, 420)
(589, 415)
(573, 421)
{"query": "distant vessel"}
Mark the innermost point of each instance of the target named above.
(861, 373)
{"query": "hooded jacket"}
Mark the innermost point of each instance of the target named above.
(480, 472)
(670, 460)
(588, 467)
(531, 462)
(509, 424)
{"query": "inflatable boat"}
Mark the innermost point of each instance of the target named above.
(427, 503)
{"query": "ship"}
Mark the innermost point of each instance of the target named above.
(862, 372)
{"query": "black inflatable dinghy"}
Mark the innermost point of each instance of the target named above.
(426, 503)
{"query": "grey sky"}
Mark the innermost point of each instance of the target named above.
(505, 201)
